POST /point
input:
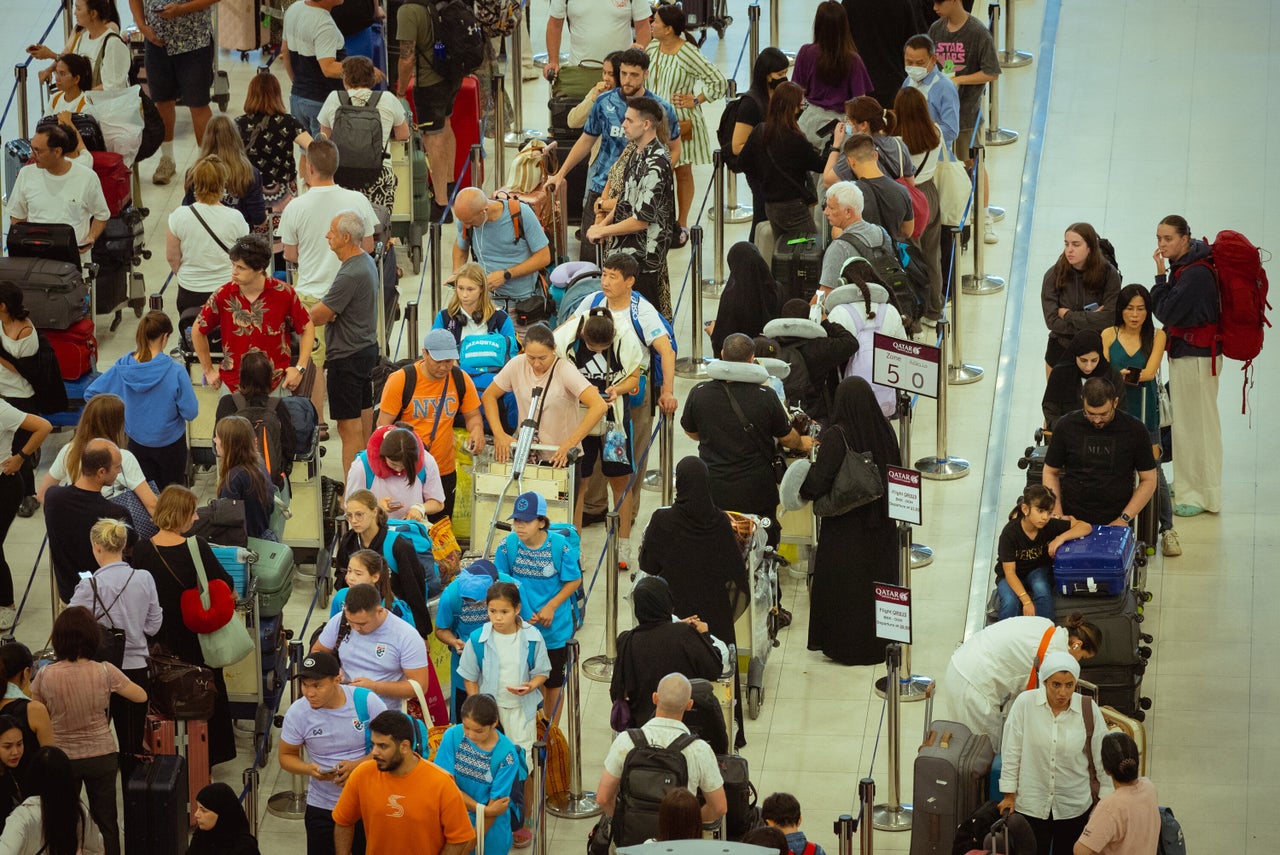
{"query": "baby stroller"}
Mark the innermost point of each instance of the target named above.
(757, 629)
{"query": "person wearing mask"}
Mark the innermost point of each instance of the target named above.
(243, 188)
(359, 77)
(397, 469)
(781, 160)
(927, 146)
(864, 115)
(242, 475)
(1127, 822)
(830, 72)
(51, 190)
(121, 597)
(52, 820)
(221, 826)
(311, 51)
(96, 37)
(880, 27)
(369, 530)
(162, 397)
(925, 76)
(1050, 753)
(768, 73)
(270, 134)
(751, 298)
(1185, 300)
(1079, 292)
(201, 233)
(1085, 357)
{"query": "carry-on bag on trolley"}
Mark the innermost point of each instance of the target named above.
(467, 131)
(155, 807)
(1118, 686)
(188, 740)
(76, 349)
(1117, 618)
(54, 292)
(1101, 562)
(951, 773)
(797, 265)
(52, 241)
(274, 569)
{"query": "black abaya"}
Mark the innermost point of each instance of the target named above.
(1062, 391)
(858, 548)
(751, 298)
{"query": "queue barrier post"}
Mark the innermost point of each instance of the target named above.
(499, 121)
(24, 121)
(753, 37)
(155, 303)
(600, 668)
(843, 829)
(1011, 57)
(959, 372)
(250, 779)
(943, 467)
(867, 798)
(980, 282)
(437, 274)
(921, 555)
(911, 687)
(539, 795)
(996, 135)
(575, 804)
(68, 20)
(775, 28)
(519, 133)
(411, 324)
(654, 480)
(711, 286)
(694, 365)
(893, 815)
(476, 156)
(292, 803)
(730, 210)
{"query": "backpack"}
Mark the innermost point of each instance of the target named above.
(357, 132)
(302, 413)
(479, 649)
(266, 432)
(1242, 293)
(1108, 251)
(655, 360)
(42, 371)
(360, 697)
(460, 43)
(648, 774)
(796, 383)
(410, 372)
(724, 131)
(887, 264)
(740, 796)
(417, 534)
(563, 537)
(1171, 840)
(581, 285)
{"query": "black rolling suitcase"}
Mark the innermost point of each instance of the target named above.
(54, 241)
(565, 137)
(797, 265)
(155, 807)
(54, 292)
(951, 777)
(1119, 686)
(1123, 642)
(116, 252)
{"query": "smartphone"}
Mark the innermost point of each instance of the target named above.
(1092, 307)
(1131, 376)
(394, 506)
(828, 129)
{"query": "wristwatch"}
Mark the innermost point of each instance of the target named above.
(506, 274)
(300, 368)
(1126, 518)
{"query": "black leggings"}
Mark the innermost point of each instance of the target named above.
(165, 464)
(11, 492)
(1060, 834)
(130, 721)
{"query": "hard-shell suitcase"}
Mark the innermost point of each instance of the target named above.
(17, 154)
(52, 241)
(274, 569)
(235, 560)
(951, 773)
(76, 348)
(155, 807)
(75, 388)
(53, 292)
(559, 107)
(188, 740)
(797, 265)
(467, 130)
(1101, 562)
(116, 180)
(1119, 686)
(1118, 619)
(270, 635)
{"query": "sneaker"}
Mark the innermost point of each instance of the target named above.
(589, 518)
(165, 171)
(1187, 510)
(28, 506)
(989, 235)
(8, 614)
(522, 838)
(995, 212)
(1169, 544)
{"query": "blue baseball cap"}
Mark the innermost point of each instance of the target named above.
(440, 345)
(529, 506)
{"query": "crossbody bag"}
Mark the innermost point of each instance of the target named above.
(216, 239)
(113, 638)
(769, 449)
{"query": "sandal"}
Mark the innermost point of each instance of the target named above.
(323, 427)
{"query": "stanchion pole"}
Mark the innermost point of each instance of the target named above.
(1011, 57)
(292, 803)
(653, 480)
(775, 28)
(694, 365)
(250, 779)
(600, 668)
(499, 126)
(24, 122)
(843, 829)
(753, 37)
(539, 795)
(155, 303)
(911, 687)
(576, 804)
(711, 286)
(68, 19)
(980, 282)
(414, 345)
(995, 134)
(867, 797)
(959, 372)
(519, 133)
(893, 815)
(477, 167)
(437, 275)
(942, 467)
(730, 210)
(921, 555)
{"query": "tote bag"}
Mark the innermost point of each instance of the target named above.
(229, 643)
(952, 181)
(858, 482)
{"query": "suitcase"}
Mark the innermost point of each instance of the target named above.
(116, 180)
(110, 287)
(467, 130)
(75, 388)
(234, 559)
(797, 265)
(270, 635)
(155, 807)
(17, 154)
(188, 740)
(951, 779)
(1118, 686)
(1032, 460)
(559, 107)
(274, 569)
(1118, 619)
(54, 292)
(53, 241)
(576, 181)
(1118, 722)
(1101, 562)
(76, 348)
(86, 126)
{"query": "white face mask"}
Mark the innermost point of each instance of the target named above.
(916, 73)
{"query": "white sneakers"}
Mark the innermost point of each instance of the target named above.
(8, 614)
(1169, 544)
(989, 235)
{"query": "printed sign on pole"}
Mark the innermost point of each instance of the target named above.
(907, 365)
(904, 495)
(893, 613)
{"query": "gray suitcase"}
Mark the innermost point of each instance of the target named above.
(53, 291)
(951, 775)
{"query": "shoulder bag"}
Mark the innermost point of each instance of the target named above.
(767, 447)
(954, 184)
(113, 638)
(179, 690)
(228, 643)
(200, 219)
(858, 482)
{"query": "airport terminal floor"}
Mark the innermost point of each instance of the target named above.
(1129, 112)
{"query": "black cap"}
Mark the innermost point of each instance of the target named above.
(318, 665)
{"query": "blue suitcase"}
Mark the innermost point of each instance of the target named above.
(1101, 562)
(234, 560)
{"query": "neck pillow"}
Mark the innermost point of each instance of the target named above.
(776, 367)
(853, 294)
(794, 328)
(741, 372)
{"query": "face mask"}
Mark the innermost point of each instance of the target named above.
(773, 84)
(848, 129)
(916, 73)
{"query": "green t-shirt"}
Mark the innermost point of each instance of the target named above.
(413, 23)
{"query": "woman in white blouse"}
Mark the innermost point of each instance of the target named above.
(97, 38)
(1052, 756)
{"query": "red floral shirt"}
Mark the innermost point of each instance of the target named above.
(264, 325)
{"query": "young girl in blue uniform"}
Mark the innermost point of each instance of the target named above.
(368, 566)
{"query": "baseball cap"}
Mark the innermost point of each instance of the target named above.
(529, 506)
(318, 665)
(439, 344)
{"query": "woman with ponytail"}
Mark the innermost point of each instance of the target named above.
(158, 398)
(1126, 822)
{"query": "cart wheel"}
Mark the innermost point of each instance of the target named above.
(1146, 637)
(1139, 617)
(415, 258)
(115, 321)
(1145, 703)
(755, 695)
(1144, 652)
(326, 585)
(720, 29)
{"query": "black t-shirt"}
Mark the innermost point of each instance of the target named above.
(1098, 464)
(353, 16)
(272, 146)
(885, 203)
(729, 450)
(781, 168)
(1025, 553)
(76, 511)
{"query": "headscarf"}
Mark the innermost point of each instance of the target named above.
(1066, 379)
(751, 296)
(1058, 660)
(232, 827)
(652, 601)
(693, 497)
(856, 413)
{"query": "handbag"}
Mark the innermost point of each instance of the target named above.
(954, 186)
(858, 482)
(230, 642)
(538, 306)
(201, 614)
(111, 648)
(139, 517)
(767, 448)
(222, 522)
(179, 690)
(686, 128)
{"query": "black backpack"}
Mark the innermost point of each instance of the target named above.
(41, 370)
(266, 432)
(357, 132)
(889, 271)
(648, 774)
(796, 384)
(460, 43)
(724, 132)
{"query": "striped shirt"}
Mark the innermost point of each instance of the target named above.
(681, 72)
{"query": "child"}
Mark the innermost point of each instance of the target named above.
(782, 811)
(486, 766)
(368, 566)
(546, 566)
(1027, 545)
(461, 611)
(507, 659)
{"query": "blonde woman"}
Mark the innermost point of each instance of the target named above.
(244, 181)
(471, 312)
(201, 233)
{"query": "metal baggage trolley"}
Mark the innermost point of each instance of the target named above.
(756, 629)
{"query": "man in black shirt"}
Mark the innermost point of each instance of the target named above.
(738, 450)
(70, 512)
(1092, 457)
(885, 202)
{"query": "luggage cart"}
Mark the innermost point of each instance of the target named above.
(757, 628)
(411, 212)
(253, 681)
(708, 14)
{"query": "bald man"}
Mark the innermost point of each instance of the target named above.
(674, 696)
(504, 235)
(70, 511)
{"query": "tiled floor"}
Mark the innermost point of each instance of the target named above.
(1148, 114)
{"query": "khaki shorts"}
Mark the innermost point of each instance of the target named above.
(317, 353)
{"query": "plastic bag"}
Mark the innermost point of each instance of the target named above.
(119, 113)
(615, 444)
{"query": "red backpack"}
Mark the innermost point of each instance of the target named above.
(1242, 291)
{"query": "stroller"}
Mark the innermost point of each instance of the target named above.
(757, 629)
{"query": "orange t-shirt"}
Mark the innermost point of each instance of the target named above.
(428, 411)
(419, 812)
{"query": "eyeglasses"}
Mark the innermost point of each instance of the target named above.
(350, 516)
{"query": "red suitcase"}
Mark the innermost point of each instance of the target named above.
(189, 739)
(466, 130)
(76, 348)
(115, 177)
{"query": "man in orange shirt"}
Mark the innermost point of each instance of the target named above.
(406, 803)
(441, 391)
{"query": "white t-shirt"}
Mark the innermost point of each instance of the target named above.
(599, 27)
(126, 482)
(704, 771)
(651, 326)
(997, 660)
(73, 198)
(311, 31)
(389, 109)
(13, 384)
(382, 655)
(304, 223)
(205, 266)
(115, 61)
(11, 419)
(509, 667)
